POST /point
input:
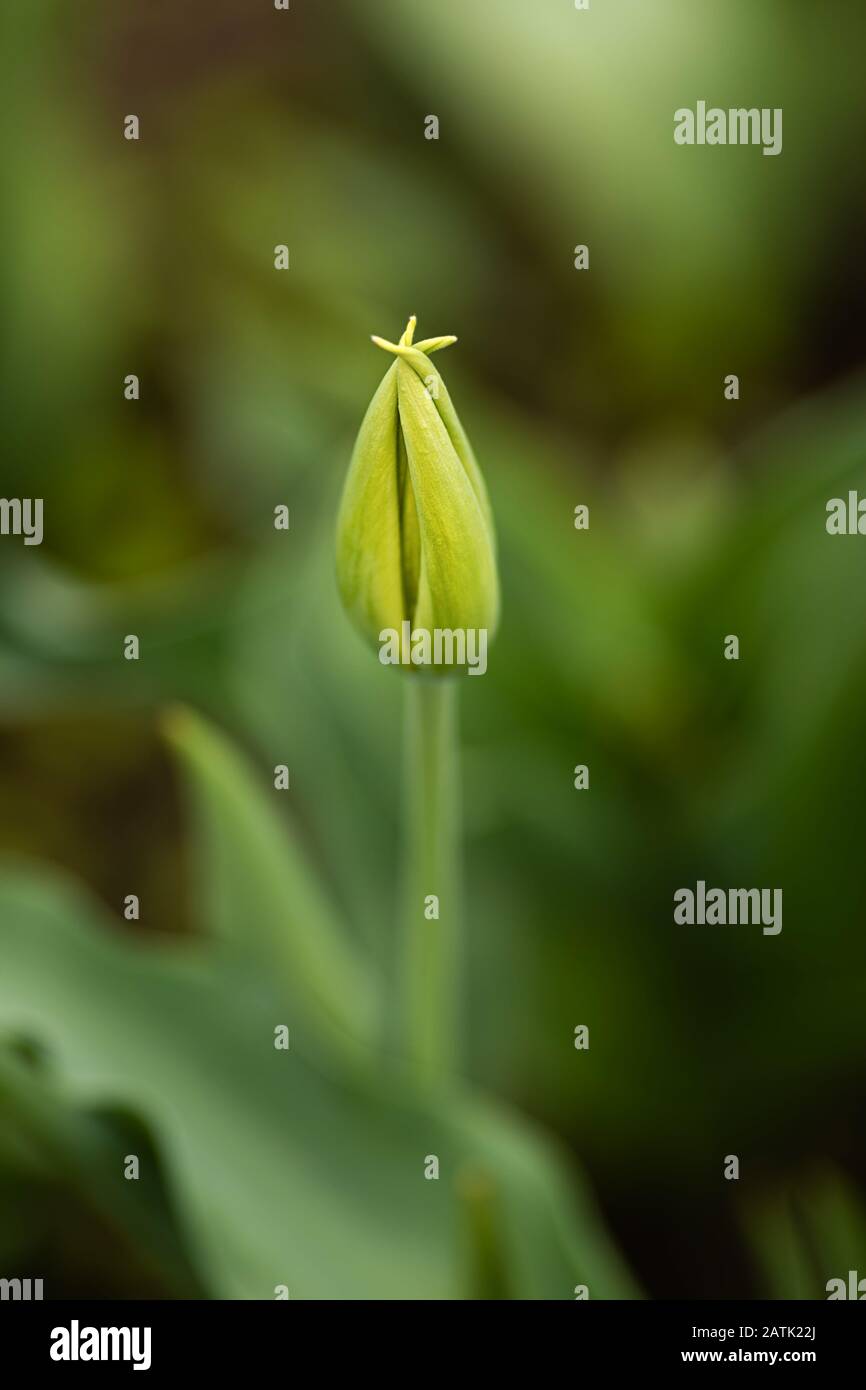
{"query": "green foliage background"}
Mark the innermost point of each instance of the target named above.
(707, 518)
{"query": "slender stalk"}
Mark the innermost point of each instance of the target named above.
(432, 818)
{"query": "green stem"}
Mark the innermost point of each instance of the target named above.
(432, 945)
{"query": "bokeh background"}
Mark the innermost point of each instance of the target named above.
(707, 518)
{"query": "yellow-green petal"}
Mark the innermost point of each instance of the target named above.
(415, 537)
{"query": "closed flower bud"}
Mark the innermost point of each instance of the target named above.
(415, 539)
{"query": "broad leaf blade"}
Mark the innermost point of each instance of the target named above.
(281, 1173)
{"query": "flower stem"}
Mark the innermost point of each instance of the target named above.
(432, 936)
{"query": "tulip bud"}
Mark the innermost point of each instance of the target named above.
(415, 539)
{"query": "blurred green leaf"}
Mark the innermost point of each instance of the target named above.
(806, 1233)
(256, 886)
(44, 1138)
(282, 1173)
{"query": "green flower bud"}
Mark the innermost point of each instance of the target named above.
(415, 538)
